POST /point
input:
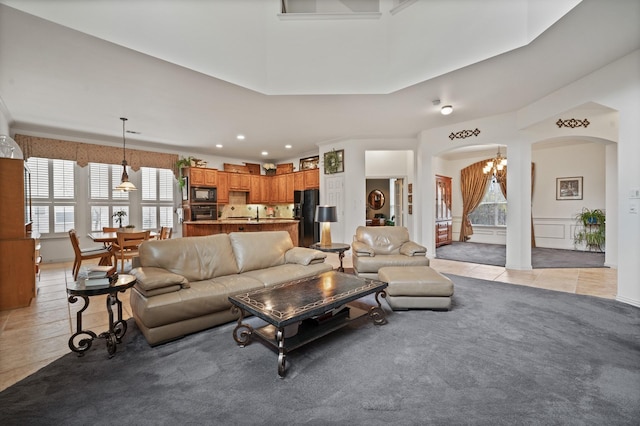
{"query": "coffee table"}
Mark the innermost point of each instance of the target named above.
(300, 311)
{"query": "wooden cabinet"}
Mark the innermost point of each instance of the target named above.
(17, 248)
(223, 188)
(202, 176)
(239, 181)
(298, 181)
(444, 223)
(191, 229)
(311, 179)
(259, 191)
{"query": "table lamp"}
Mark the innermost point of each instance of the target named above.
(325, 215)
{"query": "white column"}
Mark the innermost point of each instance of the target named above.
(611, 205)
(519, 206)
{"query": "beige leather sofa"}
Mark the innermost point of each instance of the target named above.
(183, 284)
(379, 246)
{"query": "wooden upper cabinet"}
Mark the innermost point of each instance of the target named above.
(239, 181)
(311, 179)
(298, 181)
(223, 187)
(202, 177)
(288, 187)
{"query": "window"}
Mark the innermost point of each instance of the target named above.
(53, 194)
(103, 199)
(157, 197)
(492, 211)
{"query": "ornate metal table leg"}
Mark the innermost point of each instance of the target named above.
(110, 335)
(376, 313)
(242, 332)
(120, 326)
(281, 352)
(85, 343)
(341, 256)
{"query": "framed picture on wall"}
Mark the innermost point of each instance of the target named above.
(334, 162)
(410, 209)
(410, 198)
(309, 163)
(569, 188)
(410, 189)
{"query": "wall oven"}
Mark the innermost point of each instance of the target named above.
(204, 212)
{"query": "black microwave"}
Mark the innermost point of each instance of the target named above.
(204, 195)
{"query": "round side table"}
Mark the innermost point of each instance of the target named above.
(333, 248)
(75, 289)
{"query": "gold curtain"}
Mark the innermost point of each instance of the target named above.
(85, 153)
(473, 184)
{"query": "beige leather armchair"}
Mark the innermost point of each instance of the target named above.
(379, 246)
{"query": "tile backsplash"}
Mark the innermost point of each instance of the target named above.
(236, 210)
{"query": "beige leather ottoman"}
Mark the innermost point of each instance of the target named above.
(416, 287)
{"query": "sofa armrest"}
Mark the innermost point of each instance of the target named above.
(412, 249)
(361, 249)
(304, 256)
(151, 278)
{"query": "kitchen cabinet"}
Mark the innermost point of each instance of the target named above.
(202, 176)
(444, 226)
(239, 181)
(223, 188)
(311, 178)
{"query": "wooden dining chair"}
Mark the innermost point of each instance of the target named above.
(87, 253)
(126, 246)
(109, 229)
(165, 233)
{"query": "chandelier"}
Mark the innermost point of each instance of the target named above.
(496, 166)
(125, 185)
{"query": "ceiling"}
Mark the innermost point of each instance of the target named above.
(70, 72)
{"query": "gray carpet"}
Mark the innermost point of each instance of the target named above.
(541, 257)
(504, 355)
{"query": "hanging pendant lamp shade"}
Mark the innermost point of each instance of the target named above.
(125, 185)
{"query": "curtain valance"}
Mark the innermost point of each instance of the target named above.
(85, 153)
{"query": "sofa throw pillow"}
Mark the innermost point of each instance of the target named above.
(304, 256)
(150, 278)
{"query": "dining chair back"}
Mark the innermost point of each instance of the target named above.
(126, 245)
(165, 233)
(81, 254)
(109, 229)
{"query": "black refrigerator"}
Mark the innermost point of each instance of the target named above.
(304, 209)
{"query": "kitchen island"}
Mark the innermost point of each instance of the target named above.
(225, 226)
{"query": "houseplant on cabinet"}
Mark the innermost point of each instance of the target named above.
(180, 164)
(591, 229)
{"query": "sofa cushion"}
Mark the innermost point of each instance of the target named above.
(203, 298)
(258, 250)
(372, 264)
(287, 272)
(195, 258)
(383, 239)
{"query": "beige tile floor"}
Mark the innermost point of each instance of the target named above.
(32, 337)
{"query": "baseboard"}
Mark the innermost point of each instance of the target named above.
(628, 301)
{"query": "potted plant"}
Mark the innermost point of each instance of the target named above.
(591, 229)
(119, 216)
(269, 168)
(180, 164)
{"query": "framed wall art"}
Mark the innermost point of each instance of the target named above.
(410, 188)
(569, 188)
(309, 163)
(334, 162)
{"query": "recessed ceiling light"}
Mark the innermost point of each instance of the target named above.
(240, 137)
(287, 146)
(446, 110)
(218, 145)
(265, 153)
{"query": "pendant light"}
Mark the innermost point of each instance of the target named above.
(125, 185)
(496, 166)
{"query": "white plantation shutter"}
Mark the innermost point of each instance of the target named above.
(99, 217)
(63, 179)
(149, 184)
(39, 168)
(63, 218)
(166, 216)
(149, 217)
(41, 219)
(166, 179)
(99, 188)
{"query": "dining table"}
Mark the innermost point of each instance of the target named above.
(108, 238)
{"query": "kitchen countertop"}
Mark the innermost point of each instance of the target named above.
(243, 221)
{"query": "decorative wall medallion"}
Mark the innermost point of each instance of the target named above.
(572, 122)
(463, 134)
